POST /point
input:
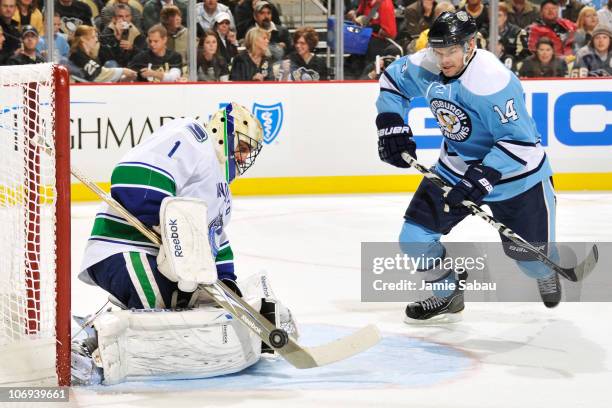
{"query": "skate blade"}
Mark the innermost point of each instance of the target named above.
(445, 318)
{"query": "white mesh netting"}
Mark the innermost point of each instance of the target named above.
(27, 211)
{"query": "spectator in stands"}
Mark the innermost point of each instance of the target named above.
(604, 14)
(228, 42)
(27, 13)
(570, 9)
(417, 17)
(12, 36)
(512, 39)
(108, 12)
(3, 57)
(62, 48)
(421, 41)
(254, 63)
(208, 10)
(84, 57)
(158, 63)
(211, 65)
(380, 16)
(280, 40)
(586, 23)
(595, 59)
(522, 13)
(172, 20)
(120, 41)
(543, 63)
(302, 64)
(480, 14)
(28, 54)
(560, 30)
(152, 11)
(73, 13)
(244, 16)
(372, 72)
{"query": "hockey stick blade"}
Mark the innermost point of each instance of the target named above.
(295, 354)
(337, 350)
(574, 274)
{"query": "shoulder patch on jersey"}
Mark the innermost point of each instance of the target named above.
(454, 123)
(425, 60)
(198, 132)
(485, 75)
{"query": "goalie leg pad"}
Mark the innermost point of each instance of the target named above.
(163, 345)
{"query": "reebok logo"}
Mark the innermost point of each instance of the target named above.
(396, 130)
(175, 239)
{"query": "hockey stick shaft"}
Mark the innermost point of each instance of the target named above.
(573, 274)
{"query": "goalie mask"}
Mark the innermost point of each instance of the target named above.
(238, 137)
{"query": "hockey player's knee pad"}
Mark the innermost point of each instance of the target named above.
(417, 241)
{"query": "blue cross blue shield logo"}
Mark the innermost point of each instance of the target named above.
(271, 118)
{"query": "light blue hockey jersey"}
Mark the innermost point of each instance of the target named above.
(481, 114)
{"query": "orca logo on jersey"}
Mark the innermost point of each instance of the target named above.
(454, 123)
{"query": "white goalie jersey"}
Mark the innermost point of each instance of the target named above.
(178, 160)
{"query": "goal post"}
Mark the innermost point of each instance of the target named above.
(35, 213)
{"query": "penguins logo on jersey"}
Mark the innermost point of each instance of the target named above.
(454, 123)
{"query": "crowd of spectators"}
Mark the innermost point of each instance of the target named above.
(245, 40)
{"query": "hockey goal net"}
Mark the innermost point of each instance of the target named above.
(35, 225)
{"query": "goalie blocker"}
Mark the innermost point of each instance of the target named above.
(159, 344)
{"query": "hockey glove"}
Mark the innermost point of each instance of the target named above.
(394, 137)
(477, 182)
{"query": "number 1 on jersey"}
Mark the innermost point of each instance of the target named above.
(176, 146)
(510, 112)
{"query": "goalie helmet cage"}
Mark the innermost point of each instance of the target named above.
(35, 236)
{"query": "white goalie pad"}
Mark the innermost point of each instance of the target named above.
(185, 255)
(138, 345)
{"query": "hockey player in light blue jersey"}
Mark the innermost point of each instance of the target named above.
(491, 153)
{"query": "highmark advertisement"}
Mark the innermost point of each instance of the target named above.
(323, 131)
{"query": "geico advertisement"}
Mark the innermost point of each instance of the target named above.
(325, 129)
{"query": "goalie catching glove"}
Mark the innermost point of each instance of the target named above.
(394, 138)
(477, 182)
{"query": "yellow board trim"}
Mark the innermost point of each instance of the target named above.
(360, 184)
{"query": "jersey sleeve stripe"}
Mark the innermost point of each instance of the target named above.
(389, 85)
(225, 254)
(518, 142)
(148, 177)
(105, 227)
(118, 187)
(124, 242)
(523, 175)
(147, 165)
(510, 154)
(387, 82)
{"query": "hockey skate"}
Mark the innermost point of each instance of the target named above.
(550, 290)
(436, 309)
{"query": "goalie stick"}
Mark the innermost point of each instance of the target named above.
(575, 274)
(297, 355)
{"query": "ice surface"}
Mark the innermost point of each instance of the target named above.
(500, 355)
